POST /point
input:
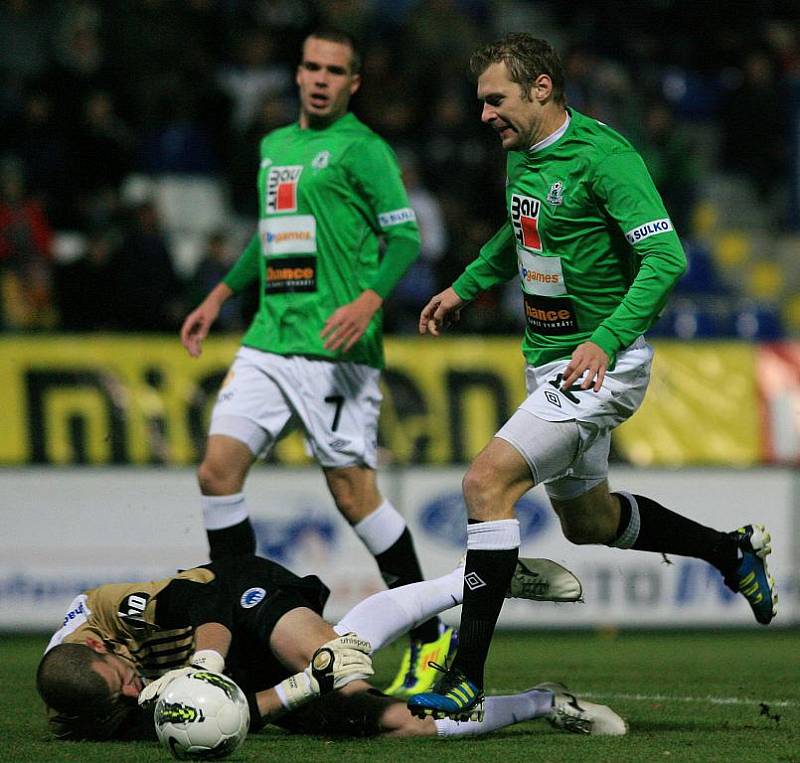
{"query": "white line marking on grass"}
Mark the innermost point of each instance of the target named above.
(668, 698)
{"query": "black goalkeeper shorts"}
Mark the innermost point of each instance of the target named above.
(259, 593)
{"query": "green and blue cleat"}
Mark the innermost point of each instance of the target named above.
(453, 696)
(751, 577)
(416, 674)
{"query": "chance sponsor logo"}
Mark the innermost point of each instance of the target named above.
(396, 216)
(550, 316)
(251, 597)
(291, 274)
(652, 228)
(282, 188)
(525, 220)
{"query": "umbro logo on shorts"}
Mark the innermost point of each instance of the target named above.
(552, 397)
(473, 581)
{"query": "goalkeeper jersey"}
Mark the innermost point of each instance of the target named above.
(326, 197)
(588, 238)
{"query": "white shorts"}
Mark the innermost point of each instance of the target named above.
(265, 395)
(565, 437)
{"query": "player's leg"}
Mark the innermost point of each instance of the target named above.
(384, 532)
(624, 520)
(357, 710)
(339, 410)
(249, 416)
(498, 477)
(221, 476)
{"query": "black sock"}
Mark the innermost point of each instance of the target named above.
(486, 578)
(665, 531)
(237, 540)
(399, 566)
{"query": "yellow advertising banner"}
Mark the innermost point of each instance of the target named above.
(101, 399)
(701, 408)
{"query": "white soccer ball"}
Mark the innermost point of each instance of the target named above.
(202, 715)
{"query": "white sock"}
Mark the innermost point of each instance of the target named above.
(631, 532)
(221, 511)
(380, 530)
(500, 712)
(384, 616)
(496, 535)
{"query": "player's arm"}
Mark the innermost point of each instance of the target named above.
(375, 175)
(626, 191)
(198, 323)
(496, 263)
(212, 641)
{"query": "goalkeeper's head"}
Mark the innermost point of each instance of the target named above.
(89, 691)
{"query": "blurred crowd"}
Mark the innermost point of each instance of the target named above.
(129, 137)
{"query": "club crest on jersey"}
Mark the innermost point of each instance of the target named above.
(251, 597)
(525, 221)
(320, 161)
(282, 188)
(556, 193)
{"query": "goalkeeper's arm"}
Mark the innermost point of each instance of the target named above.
(212, 641)
(340, 662)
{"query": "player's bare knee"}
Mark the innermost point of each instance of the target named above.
(481, 492)
(215, 479)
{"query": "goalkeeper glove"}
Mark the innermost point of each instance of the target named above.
(205, 659)
(334, 665)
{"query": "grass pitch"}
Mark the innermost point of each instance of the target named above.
(688, 696)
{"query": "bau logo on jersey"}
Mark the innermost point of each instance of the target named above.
(282, 188)
(525, 220)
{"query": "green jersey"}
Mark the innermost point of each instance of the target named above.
(589, 239)
(326, 197)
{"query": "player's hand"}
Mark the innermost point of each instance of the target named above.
(442, 311)
(197, 325)
(340, 661)
(348, 323)
(153, 691)
(589, 359)
(334, 665)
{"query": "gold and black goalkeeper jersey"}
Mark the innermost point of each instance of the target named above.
(125, 617)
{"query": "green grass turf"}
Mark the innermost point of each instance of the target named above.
(659, 682)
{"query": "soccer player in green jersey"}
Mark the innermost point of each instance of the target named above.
(596, 256)
(329, 191)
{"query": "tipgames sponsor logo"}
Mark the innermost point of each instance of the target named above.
(652, 228)
(251, 597)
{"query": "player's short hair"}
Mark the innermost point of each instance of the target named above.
(78, 696)
(526, 57)
(333, 34)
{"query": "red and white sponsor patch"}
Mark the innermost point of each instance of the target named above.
(525, 220)
(282, 188)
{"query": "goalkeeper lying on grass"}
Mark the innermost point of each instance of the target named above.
(122, 643)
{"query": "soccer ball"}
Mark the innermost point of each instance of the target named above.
(202, 715)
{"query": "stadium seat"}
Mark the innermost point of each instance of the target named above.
(701, 275)
(757, 322)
